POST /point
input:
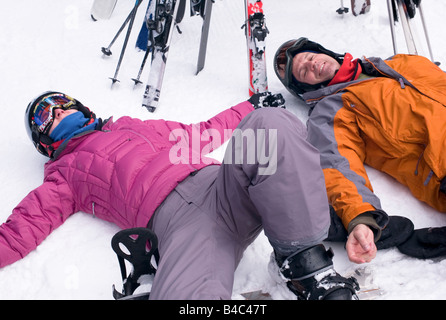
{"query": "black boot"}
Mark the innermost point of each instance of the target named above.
(310, 276)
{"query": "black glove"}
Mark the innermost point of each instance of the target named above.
(426, 243)
(434, 236)
(267, 99)
(443, 185)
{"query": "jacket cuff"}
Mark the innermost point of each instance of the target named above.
(368, 219)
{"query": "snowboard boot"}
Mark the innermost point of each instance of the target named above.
(310, 275)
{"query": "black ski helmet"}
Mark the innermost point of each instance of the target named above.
(283, 64)
(41, 140)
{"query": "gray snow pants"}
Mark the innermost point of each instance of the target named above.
(211, 217)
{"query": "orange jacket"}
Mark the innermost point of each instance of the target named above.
(393, 122)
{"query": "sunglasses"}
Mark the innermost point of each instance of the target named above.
(44, 110)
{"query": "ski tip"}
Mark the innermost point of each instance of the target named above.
(149, 108)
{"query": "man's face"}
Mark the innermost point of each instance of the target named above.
(314, 68)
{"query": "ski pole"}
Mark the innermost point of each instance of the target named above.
(426, 35)
(107, 51)
(204, 35)
(342, 9)
(141, 68)
(124, 46)
(392, 25)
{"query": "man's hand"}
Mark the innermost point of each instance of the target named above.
(360, 245)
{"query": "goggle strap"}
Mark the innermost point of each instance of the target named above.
(51, 147)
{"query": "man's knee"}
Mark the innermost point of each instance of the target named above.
(274, 118)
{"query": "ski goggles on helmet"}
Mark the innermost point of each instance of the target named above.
(44, 110)
(283, 63)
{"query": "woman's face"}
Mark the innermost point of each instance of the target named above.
(59, 115)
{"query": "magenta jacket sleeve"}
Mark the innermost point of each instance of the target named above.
(37, 215)
(48, 206)
(206, 136)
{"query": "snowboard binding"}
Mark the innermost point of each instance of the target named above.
(310, 275)
(137, 246)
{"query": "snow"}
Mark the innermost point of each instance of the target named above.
(54, 45)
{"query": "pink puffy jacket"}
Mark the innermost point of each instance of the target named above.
(120, 174)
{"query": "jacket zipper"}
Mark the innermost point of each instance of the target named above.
(431, 173)
(92, 207)
(145, 139)
(402, 83)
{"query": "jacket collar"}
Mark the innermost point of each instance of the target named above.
(374, 66)
(69, 145)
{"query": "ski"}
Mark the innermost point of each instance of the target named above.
(102, 9)
(410, 7)
(206, 15)
(143, 36)
(364, 275)
(160, 35)
(407, 27)
(256, 32)
(405, 10)
(368, 289)
(360, 7)
(256, 295)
